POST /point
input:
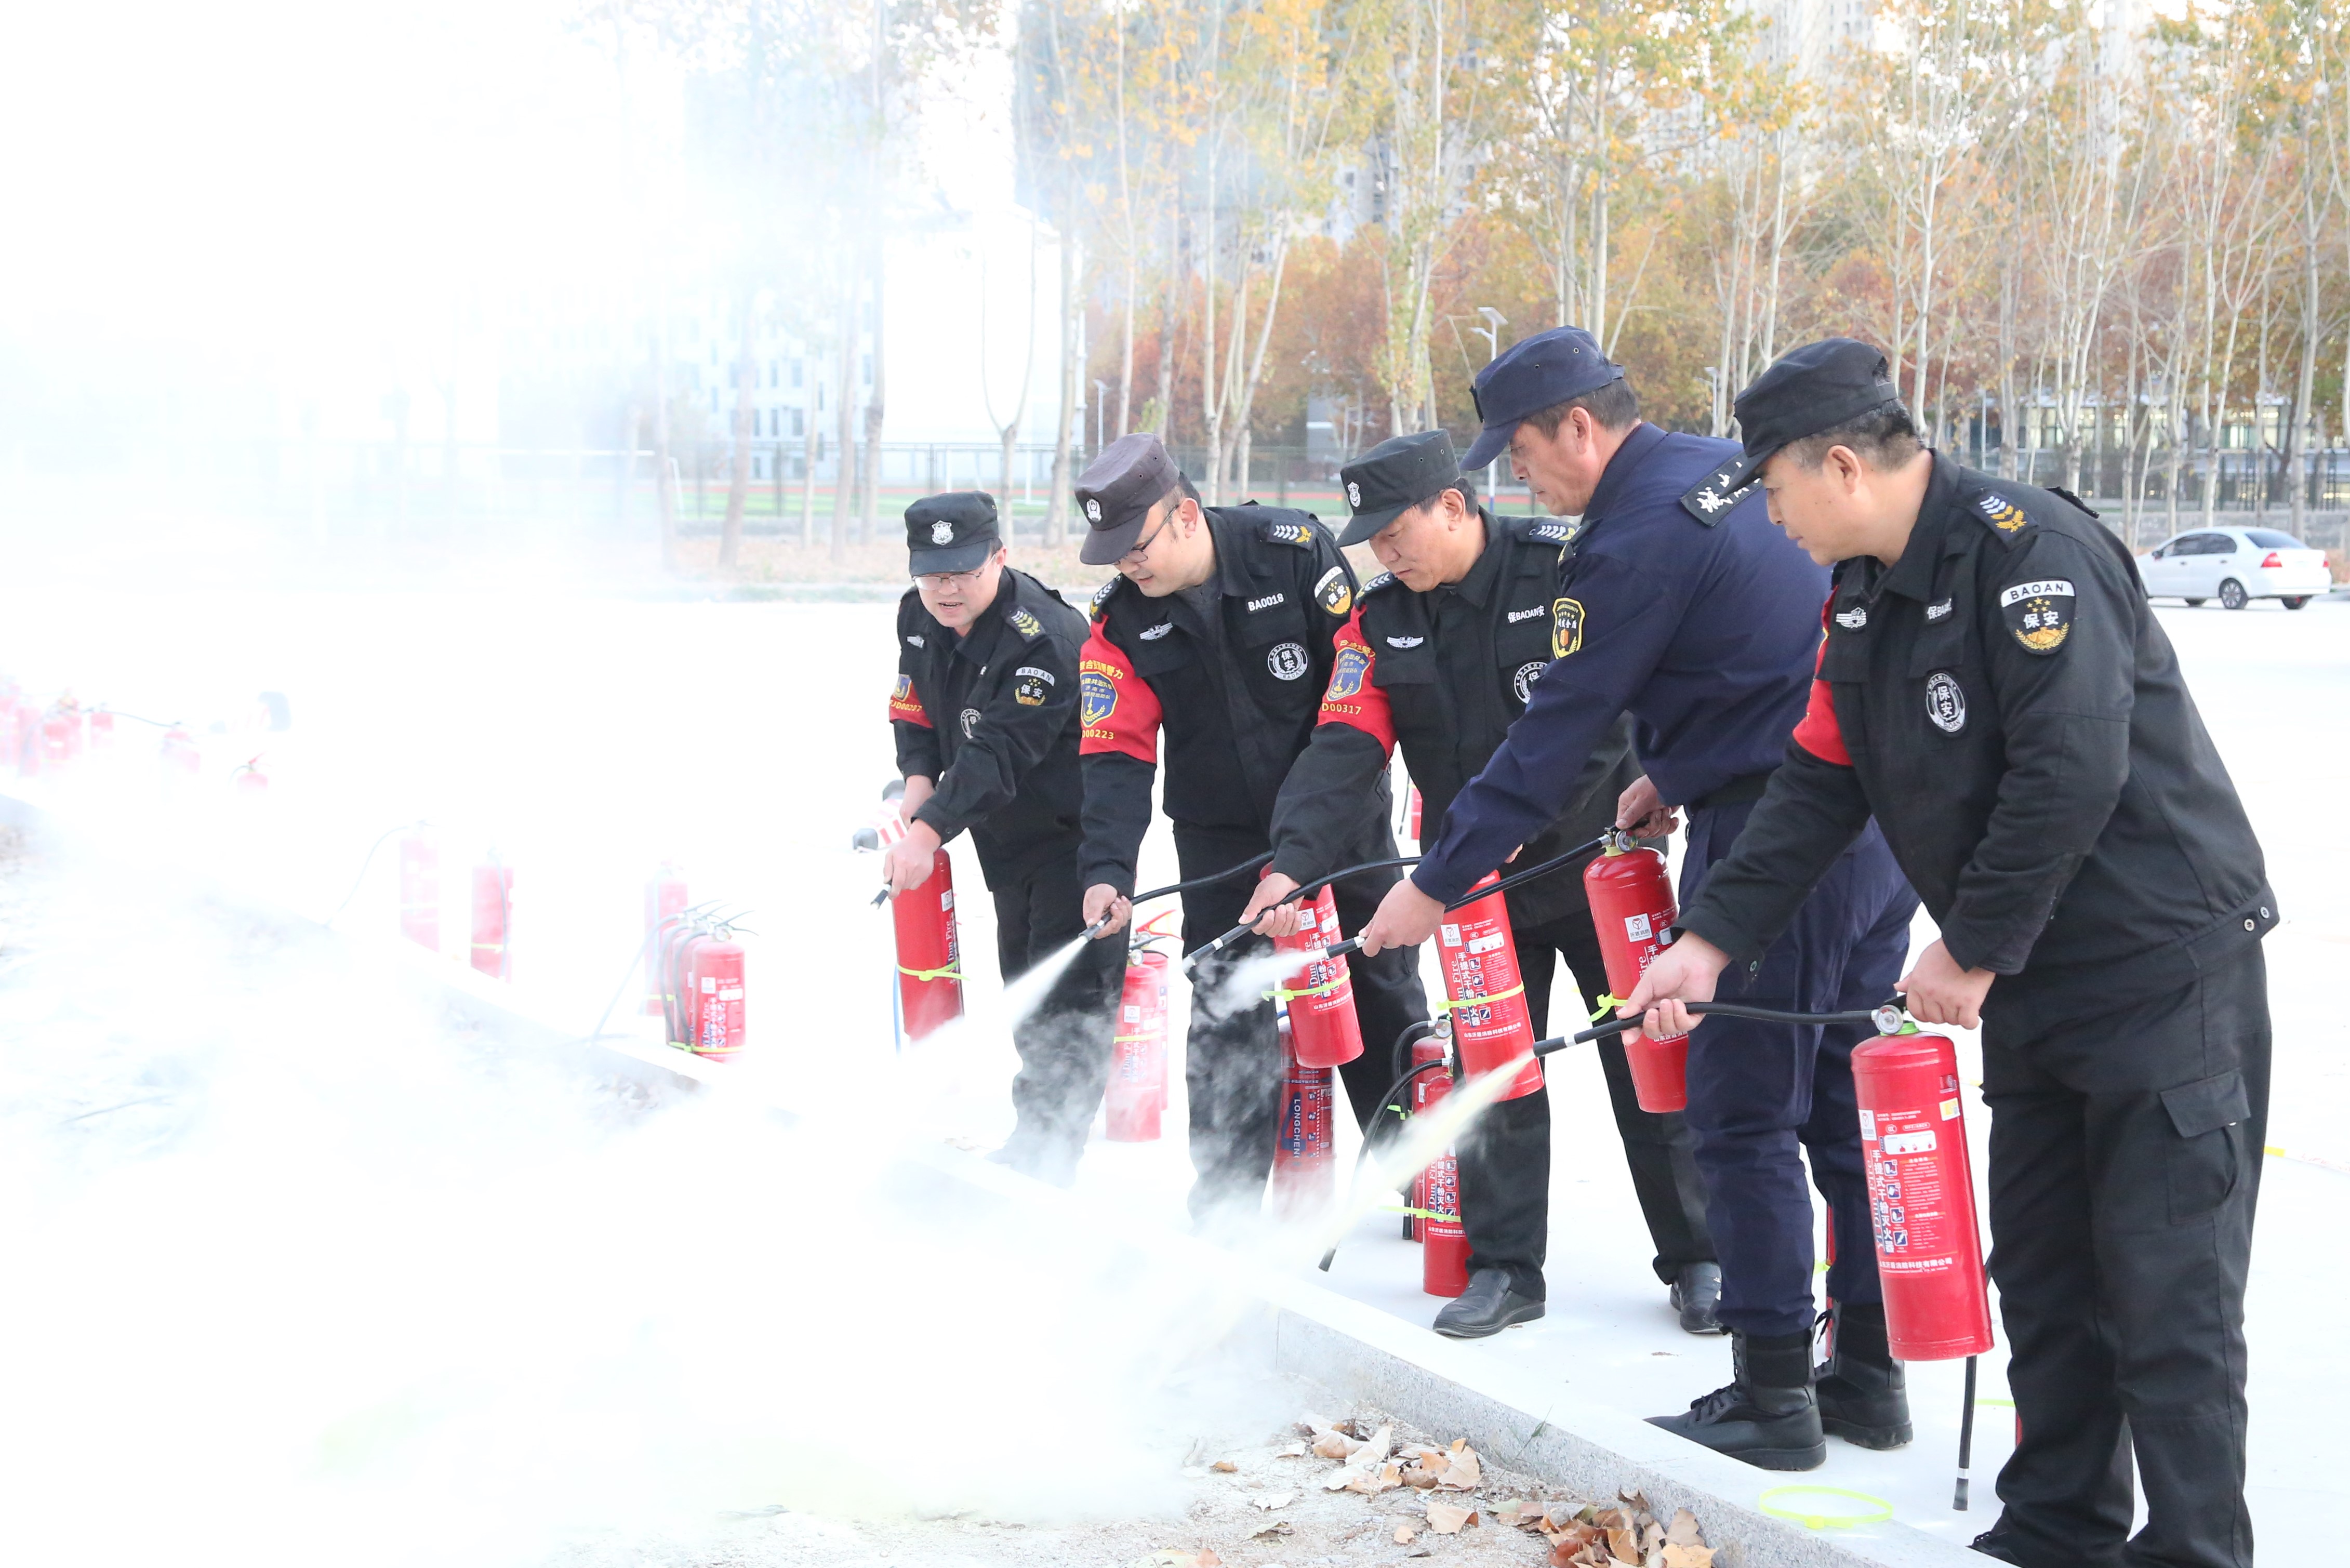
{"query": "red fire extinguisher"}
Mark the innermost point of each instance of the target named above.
(420, 892)
(1136, 1097)
(1921, 1198)
(101, 730)
(1426, 1049)
(493, 918)
(1320, 997)
(1632, 908)
(929, 976)
(1444, 1242)
(713, 995)
(1487, 999)
(664, 902)
(1411, 815)
(249, 779)
(1305, 1160)
(180, 756)
(61, 733)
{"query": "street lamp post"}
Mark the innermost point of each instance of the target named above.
(1100, 387)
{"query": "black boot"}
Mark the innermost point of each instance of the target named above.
(1995, 1542)
(1863, 1395)
(1766, 1418)
(1488, 1306)
(1696, 1295)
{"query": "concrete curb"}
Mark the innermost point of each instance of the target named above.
(1298, 1327)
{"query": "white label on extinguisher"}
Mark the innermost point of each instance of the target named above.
(1486, 944)
(731, 993)
(1910, 1142)
(1133, 1014)
(1451, 935)
(1637, 927)
(1868, 1125)
(1949, 1110)
(709, 983)
(946, 899)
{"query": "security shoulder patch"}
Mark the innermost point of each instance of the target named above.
(1384, 580)
(1101, 596)
(1333, 592)
(2039, 614)
(1030, 686)
(1566, 627)
(1026, 624)
(1547, 530)
(1301, 534)
(2000, 515)
(1707, 499)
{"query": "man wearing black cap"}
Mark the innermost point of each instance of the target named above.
(1996, 690)
(985, 716)
(1684, 607)
(1440, 658)
(1220, 629)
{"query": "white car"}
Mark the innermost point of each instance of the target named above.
(2235, 566)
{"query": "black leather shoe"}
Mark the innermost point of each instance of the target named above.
(1488, 1306)
(1996, 1543)
(1863, 1393)
(1766, 1417)
(1696, 1294)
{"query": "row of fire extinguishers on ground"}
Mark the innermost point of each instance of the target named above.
(694, 969)
(1920, 1183)
(38, 740)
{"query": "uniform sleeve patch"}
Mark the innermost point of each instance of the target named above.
(1346, 674)
(2039, 615)
(1333, 592)
(1097, 696)
(2004, 517)
(1566, 627)
(904, 704)
(1030, 686)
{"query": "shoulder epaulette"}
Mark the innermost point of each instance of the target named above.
(1384, 580)
(1023, 621)
(1288, 531)
(2001, 514)
(1101, 596)
(1707, 499)
(1545, 530)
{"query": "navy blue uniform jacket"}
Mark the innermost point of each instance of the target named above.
(1704, 627)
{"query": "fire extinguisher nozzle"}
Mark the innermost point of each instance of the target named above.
(880, 899)
(1340, 950)
(1327, 1259)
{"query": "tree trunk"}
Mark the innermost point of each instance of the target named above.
(738, 479)
(811, 453)
(876, 401)
(844, 481)
(1056, 503)
(664, 468)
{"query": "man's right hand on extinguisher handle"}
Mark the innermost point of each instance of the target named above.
(1642, 812)
(1685, 972)
(1107, 911)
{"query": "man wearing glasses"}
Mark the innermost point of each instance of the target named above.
(985, 714)
(1220, 629)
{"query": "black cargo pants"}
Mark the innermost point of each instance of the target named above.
(2126, 1142)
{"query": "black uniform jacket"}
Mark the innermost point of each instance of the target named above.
(1444, 674)
(1233, 671)
(2004, 702)
(992, 718)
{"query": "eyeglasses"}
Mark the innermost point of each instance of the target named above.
(1142, 548)
(939, 582)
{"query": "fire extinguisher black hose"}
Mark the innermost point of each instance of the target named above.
(1892, 1009)
(1516, 879)
(1302, 890)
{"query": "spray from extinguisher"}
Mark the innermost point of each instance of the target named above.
(1632, 909)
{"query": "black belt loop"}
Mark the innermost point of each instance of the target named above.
(1737, 791)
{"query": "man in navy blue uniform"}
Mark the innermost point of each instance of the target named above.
(1684, 606)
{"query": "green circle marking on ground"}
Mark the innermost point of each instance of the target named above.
(1817, 1518)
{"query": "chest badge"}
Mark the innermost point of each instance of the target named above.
(2039, 615)
(913, 639)
(1406, 641)
(1946, 702)
(1522, 682)
(1566, 627)
(1854, 618)
(1938, 612)
(1287, 660)
(970, 719)
(1153, 633)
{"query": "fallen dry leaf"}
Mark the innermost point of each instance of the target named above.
(1269, 1500)
(1403, 1534)
(1277, 1528)
(1224, 1467)
(1623, 1543)
(1446, 1520)
(1208, 1558)
(1683, 1531)
(1679, 1556)
(1463, 1474)
(1419, 1477)
(1335, 1445)
(1370, 1484)
(1292, 1451)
